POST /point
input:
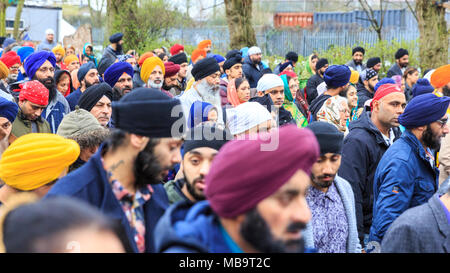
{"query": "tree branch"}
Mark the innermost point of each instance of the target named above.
(413, 11)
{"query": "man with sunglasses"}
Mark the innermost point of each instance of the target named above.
(407, 176)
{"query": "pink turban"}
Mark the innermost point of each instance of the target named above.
(243, 174)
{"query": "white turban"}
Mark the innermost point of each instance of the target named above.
(246, 116)
(253, 50)
(268, 81)
(49, 31)
(321, 88)
(428, 75)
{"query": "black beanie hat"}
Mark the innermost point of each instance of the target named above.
(149, 112)
(372, 62)
(93, 94)
(358, 49)
(204, 68)
(321, 63)
(329, 138)
(178, 58)
(206, 135)
(292, 56)
(400, 53)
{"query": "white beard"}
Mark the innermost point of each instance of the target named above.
(209, 94)
(152, 84)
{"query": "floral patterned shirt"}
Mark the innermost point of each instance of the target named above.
(329, 221)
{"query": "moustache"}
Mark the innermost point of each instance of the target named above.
(296, 227)
(324, 176)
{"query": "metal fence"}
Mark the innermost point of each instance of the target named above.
(302, 41)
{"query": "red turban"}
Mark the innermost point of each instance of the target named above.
(175, 49)
(245, 172)
(288, 73)
(10, 58)
(35, 92)
(385, 90)
(171, 69)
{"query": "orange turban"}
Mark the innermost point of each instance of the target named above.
(197, 53)
(4, 70)
(203, 44)
(354, 77)
(440, 76)
(144, 57)
(36, 159)
(59, 49)
(69, 59)
(149, 65)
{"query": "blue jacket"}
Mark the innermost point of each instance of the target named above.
(362, 151)
(73, 98)
(90, 183)
(55, 111)
(346, 193)
(187, 228)
(252, 73)
(404, 179)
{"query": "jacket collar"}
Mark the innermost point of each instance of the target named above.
(26, 120)
(365, 122)
(441, 220)
(412, 140)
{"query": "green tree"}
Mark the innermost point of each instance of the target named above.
(239, 19)
(433, 42)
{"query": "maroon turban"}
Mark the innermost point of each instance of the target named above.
(171, 69)
(243, 174)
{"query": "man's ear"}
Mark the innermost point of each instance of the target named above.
(260, 93)
(138, 142)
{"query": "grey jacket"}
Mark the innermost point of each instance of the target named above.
(394, 70)
(422, 229)
(346, 193)
(352, 64)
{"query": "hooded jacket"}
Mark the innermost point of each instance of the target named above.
(311, 87)
(252, 72)
(362, 151)
(363, 95)
(58, 74)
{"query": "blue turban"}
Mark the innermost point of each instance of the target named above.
(337, 76)
(423, 110)
(199, 113)
(219, 58)
(421, 87)
(8, 41)
(383, 81)
(115, 71)
(8, 109)
(35, 60)
(24, 52)
(84, 69)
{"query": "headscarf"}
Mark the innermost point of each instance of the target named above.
(35, 92)
(149, 65)
(93, 94)
(36, 159)
(290, 106)
(91, 57)
(36, 60)
(423, 110)
(232, 95)
(330, 112)
(251, 161)
(8, 109)
(246, 116)
(309, 64)
(440, 76)
(115, 71)
(58, 75)
(199, 113)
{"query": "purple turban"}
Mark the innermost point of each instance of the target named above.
(423, 110)
(115, 71)
(243, 174)
(8, 109)
(35, 60)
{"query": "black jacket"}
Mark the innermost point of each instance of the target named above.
(311, 88)
(252, 74)
(317, 104)
(363, 148)
(363, 95)
(394, 70)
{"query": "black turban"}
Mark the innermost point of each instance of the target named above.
(93, 94)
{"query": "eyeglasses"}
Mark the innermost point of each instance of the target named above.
(14, 67)
(45, 69)
(443, 122)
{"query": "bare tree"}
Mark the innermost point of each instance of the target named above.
(433, 43)
(412, 9)
(96, 15)
(3, 5)
(19, 9)
(239, 19)
(376, 25)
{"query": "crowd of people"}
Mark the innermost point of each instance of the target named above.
(171, 152)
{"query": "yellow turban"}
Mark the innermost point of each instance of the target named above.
(149, 65)
(4, 70)
(36, 159)
(59, 49)
(440, 76)
(354, 77)
(70, 58)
